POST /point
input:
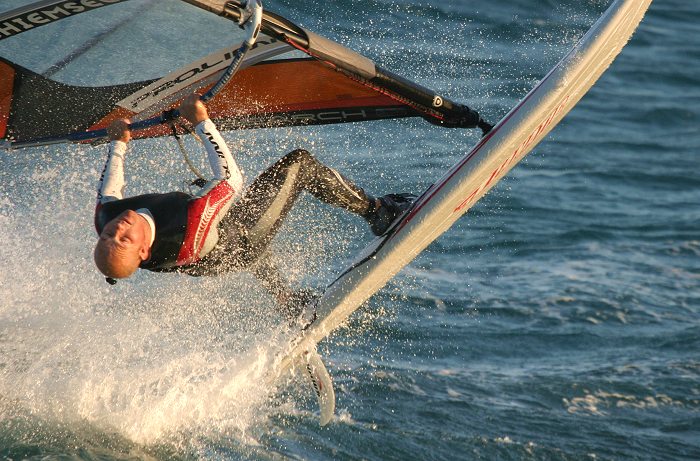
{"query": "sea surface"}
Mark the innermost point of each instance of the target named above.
(559, 319)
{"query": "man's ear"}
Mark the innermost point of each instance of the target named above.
(144, 252)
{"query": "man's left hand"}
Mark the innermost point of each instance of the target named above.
(193, 109)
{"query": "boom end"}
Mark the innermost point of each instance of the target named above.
(461, 116)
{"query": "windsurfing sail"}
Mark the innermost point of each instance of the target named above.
(292, 76)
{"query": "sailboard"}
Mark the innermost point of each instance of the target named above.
(473, 175)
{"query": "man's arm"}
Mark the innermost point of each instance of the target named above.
(222, 163)
(111, 184)
(212, 203)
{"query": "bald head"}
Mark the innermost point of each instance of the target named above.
(114, 260)
(123, 244)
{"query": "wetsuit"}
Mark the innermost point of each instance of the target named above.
(222, 229)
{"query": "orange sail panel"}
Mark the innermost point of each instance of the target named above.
(290, 86)
(285, 92)
(7, 78)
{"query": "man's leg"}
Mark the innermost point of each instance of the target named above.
(270, 197)
(291, 302)
(267, 272)
(260, 213)
(251, 224)
(256, 218)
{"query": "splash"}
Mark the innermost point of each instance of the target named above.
(144, 363)
(151, 358)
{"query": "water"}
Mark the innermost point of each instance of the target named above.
(558, 320)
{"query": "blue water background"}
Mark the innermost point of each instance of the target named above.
(559, 319)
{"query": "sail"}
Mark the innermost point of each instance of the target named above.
(291, 77)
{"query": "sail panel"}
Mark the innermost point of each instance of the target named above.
(282, 92)
(287, 92)
(7, 77)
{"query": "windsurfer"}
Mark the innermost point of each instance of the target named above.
(223, 227)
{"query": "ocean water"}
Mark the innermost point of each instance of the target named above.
(559, 319)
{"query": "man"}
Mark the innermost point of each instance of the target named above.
(222, 228)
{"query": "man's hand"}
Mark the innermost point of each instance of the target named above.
(118, 130)
(193, 109)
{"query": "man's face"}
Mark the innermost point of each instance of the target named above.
(125, 232)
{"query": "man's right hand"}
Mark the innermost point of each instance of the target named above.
(193, 109)
(118, 130)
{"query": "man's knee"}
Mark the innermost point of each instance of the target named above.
(298, 156)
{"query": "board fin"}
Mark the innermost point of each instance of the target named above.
(321, 382)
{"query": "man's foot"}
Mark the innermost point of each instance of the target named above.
(301, 308)
(391, 207)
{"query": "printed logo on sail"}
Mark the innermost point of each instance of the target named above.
(40, 16)
(182, 79)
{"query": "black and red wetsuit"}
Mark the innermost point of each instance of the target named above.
(185, 226)
(221, 228)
